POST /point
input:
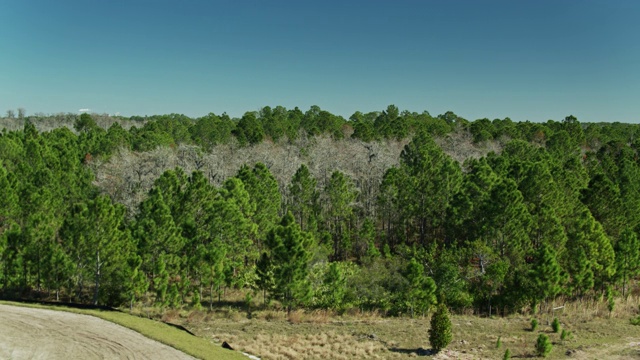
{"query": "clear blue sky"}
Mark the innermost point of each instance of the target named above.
(529, 60)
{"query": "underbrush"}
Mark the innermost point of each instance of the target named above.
(272, 333)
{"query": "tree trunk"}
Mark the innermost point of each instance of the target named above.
(97, 281)
(211, 296)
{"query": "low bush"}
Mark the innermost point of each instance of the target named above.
(555, 325)
(543, 345)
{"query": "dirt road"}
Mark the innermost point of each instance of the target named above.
(27, 333)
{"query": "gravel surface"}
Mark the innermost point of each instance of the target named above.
(28, 333)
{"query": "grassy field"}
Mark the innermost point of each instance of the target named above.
(271, 334)
(322, 335)
(198, 347)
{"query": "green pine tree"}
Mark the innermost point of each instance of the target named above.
(289, 255)
(421, 292)
(335, 286)
(341, 194)
(158, 236)
(627, 257)
(264, 193)
(543, 345)
(546, 274)
(303, 197)
(234, 230)
(100, 247)
(427, 182)
(265, 275)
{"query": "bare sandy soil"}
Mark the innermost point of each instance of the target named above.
(27, 333)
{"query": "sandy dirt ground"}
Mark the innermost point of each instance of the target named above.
(27, 333)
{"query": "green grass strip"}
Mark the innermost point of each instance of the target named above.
(193, 345)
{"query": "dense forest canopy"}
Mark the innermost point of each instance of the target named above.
(390, 210)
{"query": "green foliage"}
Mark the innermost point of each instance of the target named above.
(264, 195)
(158, 236)
(289, 257)
(363, 128)
(303, 197)
(174, 296)
(440, 334)
(274, 121)
(317, 121)
(555, 213)
(546, 274)
(330, 285)
(611, 300)
(481, 130)
(378, 285)
(499, 342)
(565, 334)
(426, 183)
(389, 124)
(635, 321)
(543, 345)
(233, 231)
(627, 257)
(249, 130)
(195, 300)
(555, 325)
(448, 276)
(138, 283)
(99, 245)
(534, 324)
(335, 283)
(340, 193)
(507, 355)
(421, 294)
(84, 123)
(161, 283)
(265, 275)
(367, 235)
(211, 130)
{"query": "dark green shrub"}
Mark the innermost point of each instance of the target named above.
(440, 333)
(555, 325)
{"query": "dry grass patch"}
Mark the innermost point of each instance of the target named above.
(171, 316)
(330, 345)
(312, 317)
(317, 335)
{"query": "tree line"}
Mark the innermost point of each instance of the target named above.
(556, 212)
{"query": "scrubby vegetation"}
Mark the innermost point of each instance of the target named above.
(543, 345)
(555, 325)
